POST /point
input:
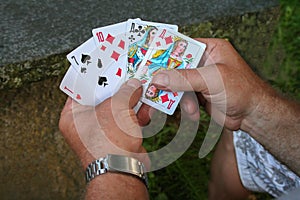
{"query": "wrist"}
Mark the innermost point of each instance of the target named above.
(116, 186)
(263, 112)
(271, 113)
(113, 175)
(116, 164)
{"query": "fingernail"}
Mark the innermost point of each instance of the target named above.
(134, 83)
(161, 79)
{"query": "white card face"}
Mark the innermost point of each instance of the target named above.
(75, 87)
(78, 56)
(169, 50)
(113, 49)
(101, 34)
(140, 35)
(114, 76)
(112, 57)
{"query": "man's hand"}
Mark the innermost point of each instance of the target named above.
(238, 99)
(111, 127)
(226, 86)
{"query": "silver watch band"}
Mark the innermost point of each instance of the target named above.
(116, 163)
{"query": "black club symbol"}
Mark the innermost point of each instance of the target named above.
(131, 38)
(139, 30)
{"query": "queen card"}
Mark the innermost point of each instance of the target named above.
(168, 50)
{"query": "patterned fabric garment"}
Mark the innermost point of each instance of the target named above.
(259, 170)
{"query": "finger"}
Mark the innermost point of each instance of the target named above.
(144, 114)
(211, 43)
(121, 107)
(217, 51)
(67, 107)
(198, 80)
(70, 109)
(128, 95)
(190, 106)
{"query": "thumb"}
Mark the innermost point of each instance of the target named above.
(117, 110)
(204, 79)
(128, 95)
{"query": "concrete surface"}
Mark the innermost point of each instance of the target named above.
(38, 28)
(32, 30)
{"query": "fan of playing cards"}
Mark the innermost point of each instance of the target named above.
(131, 49)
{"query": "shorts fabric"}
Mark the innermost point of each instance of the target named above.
(260, 171)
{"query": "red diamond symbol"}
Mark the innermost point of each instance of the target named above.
(119, 72)
(103, 48)
(110, 38)
(175, 94)
(158, 44)
(164, 98)
(115, 55)
(78, 96)
(168, 40)
(121, 44)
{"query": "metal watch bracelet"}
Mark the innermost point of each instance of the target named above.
(116, 163)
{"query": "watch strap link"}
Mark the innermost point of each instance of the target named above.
(116, 163)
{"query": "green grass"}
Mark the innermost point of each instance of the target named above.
(187, 177)
(282, 67)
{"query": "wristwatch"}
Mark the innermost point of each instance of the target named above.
(118, 164)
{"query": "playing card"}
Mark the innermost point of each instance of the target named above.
(140, 35)
(111, 79)
(75, 87)
(101, 34)
(113, 59)
(134, 48)
(169, 50)
(80, 55)
(113, 49)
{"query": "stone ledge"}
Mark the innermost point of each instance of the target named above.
(37, 34)
(238, 29)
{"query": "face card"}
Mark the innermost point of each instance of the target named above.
(169, 50)
(75, 87)
(140, 34)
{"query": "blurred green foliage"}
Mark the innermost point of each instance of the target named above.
(282, 67)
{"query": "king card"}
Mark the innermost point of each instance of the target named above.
(169, 50)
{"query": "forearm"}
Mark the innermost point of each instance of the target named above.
(116, 186)
(275, 123)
